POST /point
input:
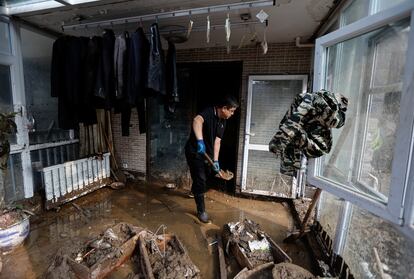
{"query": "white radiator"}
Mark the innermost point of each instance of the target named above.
(71, 180)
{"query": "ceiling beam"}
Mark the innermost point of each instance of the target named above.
(46, 31)
(171, 14)
(63, 2)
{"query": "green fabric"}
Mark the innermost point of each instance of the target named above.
(306, 128)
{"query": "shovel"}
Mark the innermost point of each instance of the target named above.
(226, 175)
(296, 235)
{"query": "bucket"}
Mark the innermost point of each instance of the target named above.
(14, 235)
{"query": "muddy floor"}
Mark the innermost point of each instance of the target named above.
(148, 206)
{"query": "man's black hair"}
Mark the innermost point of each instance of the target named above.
(228, 101)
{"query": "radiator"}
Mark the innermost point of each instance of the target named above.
(71, 180)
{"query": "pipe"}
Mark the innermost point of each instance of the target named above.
(172, 14)
(298, 44)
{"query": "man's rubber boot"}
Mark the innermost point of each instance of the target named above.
(201, 210)
(203, 217)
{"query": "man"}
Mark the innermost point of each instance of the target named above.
(206, 134)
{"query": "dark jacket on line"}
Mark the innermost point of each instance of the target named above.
(156, 70)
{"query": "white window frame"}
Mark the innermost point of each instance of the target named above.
(408, 228)
(394, 209)
(14, 60)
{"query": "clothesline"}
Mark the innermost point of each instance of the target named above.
(172, 14)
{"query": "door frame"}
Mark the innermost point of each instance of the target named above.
(15, 62)
(247, 133)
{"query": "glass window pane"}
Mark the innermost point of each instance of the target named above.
(329, 213)
(362, 8)
(355, 11)
(385, 4)
(42, 109)
(263, 174)
(369, 234)
(368, 70)
(5, 46)
(6, 96)
(266, 116)
(13, 180)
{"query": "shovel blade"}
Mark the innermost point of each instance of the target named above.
(226, 175)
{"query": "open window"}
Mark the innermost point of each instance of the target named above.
(367, 61)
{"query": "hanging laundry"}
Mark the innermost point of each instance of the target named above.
(105, 83)
(66, 79)
(227, 27)
(264, 43)
(93, 47)
(306, 128)
(190, 27)
(138, 79)
(120, 62)
(228, 33)
(208, 30)
(156, 71)
(171, 72)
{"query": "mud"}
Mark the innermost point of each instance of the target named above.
(276, 271)
(301, 207)
(287, 270)
(148, 206)
(168, 262)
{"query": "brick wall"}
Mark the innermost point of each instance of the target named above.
(281, 58)
(130, 150)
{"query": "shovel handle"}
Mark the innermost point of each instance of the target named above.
(314, 201)
(209, 159)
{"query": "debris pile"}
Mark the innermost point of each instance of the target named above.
(251, 240)
(107, 244)
(167, 257)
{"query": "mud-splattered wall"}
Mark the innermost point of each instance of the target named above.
(282, 58)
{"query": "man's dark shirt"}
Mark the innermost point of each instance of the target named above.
(213, 127)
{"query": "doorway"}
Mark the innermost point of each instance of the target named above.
(199, 85)
(268, 99)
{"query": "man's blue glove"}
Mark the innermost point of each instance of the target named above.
(216, 166)
(201, 147)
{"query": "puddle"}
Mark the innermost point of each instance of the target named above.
(147, 206)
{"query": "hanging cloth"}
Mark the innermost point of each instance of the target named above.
(66, 79)
(120, 56)
(137, 77)
(208, 30)
(171, 71)
(156, 71)
(228, 33)
(105, 82)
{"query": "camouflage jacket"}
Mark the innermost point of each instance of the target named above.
(306, 128)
